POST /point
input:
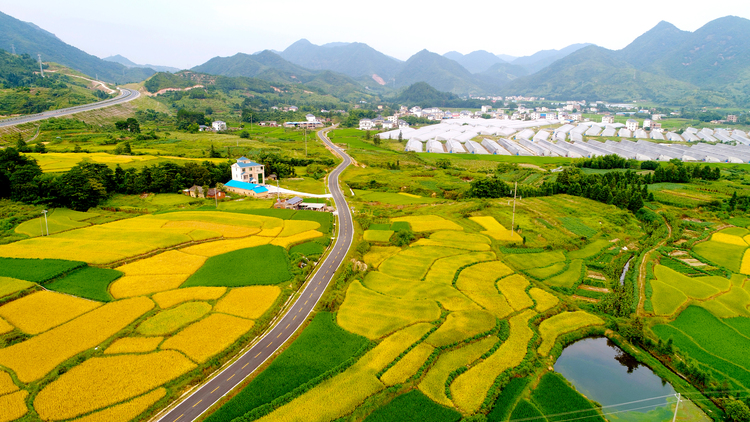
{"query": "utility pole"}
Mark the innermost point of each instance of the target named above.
(305, 142)
(13, 48)
(278, 193)
(45, 221)
(513, 219)
(677, 405)
(41, 69)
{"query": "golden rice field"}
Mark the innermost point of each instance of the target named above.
(513, 288)
(566, 322)
(478, 284)
(326, 401)
(728, 238)
(373, 315)
(408, 365)
(13, 406)
(122, 239)
(40, 311)
(5, 327)
(187, 330)
(461, 325)
(248, 302)
(171, 320)
(11, 285)
(6, 383)
(126, 411)
(544, 300)
(378, 254)
(36, 357)
(134, 345)
(496, 230)
(433, 384)
(470, 388)
(745, 267)
(102, 382)
(208, 336)
(428, 223)
(175, 297)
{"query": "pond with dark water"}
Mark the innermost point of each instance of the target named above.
(627, 390)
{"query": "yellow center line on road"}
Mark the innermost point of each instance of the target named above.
(199, 402)
(178, 418)
(278, 335)
(247, 364)
(287, 326)
(295, 317)
(214, 390)
(256, 355)
(268, 345)
(306, 301)
(231, 377)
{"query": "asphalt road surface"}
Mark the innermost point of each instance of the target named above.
(208, 394)
(125, 96)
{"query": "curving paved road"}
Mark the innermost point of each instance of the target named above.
(125, 96)
(209, 393)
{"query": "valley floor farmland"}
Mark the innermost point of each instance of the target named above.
(125, 330)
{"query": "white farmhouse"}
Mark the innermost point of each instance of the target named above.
(310, 118)
(631, 125)
(248, 171)
(366, 124)
(608, 119)
(219, 125)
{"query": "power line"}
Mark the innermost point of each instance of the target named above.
(602, 408)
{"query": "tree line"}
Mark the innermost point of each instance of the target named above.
(626, 190)
(88, 184)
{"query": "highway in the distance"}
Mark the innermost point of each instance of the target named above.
(125, 96)
(209, 393)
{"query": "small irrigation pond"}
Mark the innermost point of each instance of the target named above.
(626, 389)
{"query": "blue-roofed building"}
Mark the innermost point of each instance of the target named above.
(247, 189)
(245, 170)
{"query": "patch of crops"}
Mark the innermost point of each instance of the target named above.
(554, 395)
(589, 250)
(723, 254)
(9, 285)
(525, 410)
(570, 277)
(380, 236)
(428, 223)
(88, 282)
(400, 225)
(461, 325)
(552, 328)
(325, 219)
(694, 287)
(665, 298)
(42, 310)
(577, 226)
(547, 272)
(36, 270)
(589, 293)
(708, 360)
(261, 265)
(739, 221)
(534, 260)
(321, 347)
(413, 407)
(374, 315)
(308, 249)
(507, 399)
(380, 227)
(171, 320)
(679, 266)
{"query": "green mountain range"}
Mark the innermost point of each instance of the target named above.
(351, 59)
(710, 66)
(27, 38)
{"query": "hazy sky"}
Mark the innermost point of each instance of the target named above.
(186, 33)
